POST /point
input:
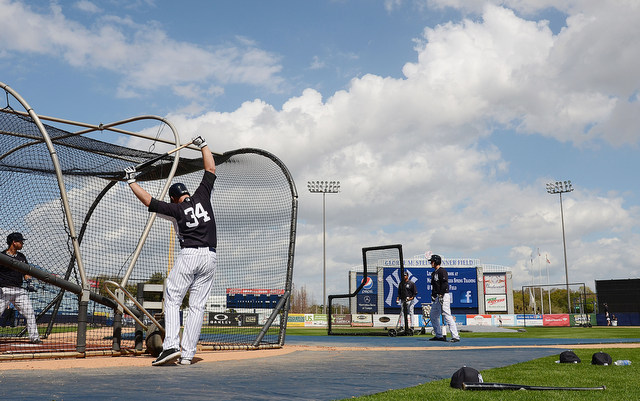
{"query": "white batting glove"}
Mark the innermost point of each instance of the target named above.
(130, 174)
(199, 141)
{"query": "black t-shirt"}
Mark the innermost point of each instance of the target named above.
(409, 288)
(193, 218)
(439, 282)
(10, 277)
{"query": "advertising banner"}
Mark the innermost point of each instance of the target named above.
(233, 319)
(367, 298)
(341, 320)
(495, 284)
(385, 320)
(362, 320)
(495, 303)
(529, 320)
(253, 298)
(295, 320)
(504, 320)
(308, 319)
(479, 320)
(583, 319)
(462, 286)
(316, 320)
(556, 320)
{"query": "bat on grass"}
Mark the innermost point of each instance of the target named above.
(507, 386)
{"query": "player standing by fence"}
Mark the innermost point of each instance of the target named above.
(195, 266)
(407, 294)
(11, 290)
(441, 301)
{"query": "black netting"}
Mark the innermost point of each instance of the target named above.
(373, 258)
(254, 201)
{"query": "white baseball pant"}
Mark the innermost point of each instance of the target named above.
(410, 306)
(194, 271)
(445, 311)
(19, 297)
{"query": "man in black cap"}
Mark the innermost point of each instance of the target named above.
(441, 302)
(11, 291)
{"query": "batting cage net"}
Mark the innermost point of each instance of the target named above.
(255, 206)
(365, 319)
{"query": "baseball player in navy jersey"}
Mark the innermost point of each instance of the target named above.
(441, 301)
(195, 266)
(407, 291)
(11, 291)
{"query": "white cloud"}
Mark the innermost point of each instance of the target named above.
(412, 153)
(142, 54)
(87, 6)
(407, 154)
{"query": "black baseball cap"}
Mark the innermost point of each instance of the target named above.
(14, 237)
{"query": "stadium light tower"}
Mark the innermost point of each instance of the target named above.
(324, 188)
(561, 187)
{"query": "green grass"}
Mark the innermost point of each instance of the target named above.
(531, 332)
(621, 381)
(564, 332)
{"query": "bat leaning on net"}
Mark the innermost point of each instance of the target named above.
(149, 162)
(508, 386)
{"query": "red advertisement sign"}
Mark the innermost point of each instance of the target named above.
(556, 320)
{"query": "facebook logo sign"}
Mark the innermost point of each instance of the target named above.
(463, 286)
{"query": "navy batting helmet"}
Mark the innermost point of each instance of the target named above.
(17, 237)
(435, 259)
(177, 190)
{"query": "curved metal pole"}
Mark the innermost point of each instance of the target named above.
(165, 188)
(57, 301)
(63, 191)
(135, 302)
(91, 128)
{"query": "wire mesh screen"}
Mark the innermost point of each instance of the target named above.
(254, 202)
(368, 292)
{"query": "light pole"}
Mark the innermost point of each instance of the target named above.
(324, 188)
(561, 187)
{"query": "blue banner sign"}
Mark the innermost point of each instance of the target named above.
(368, 296)
(463, 286)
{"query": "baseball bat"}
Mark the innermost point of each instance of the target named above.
(508, 386)
(149, 162)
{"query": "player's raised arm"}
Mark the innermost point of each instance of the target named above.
(130, 176)
(207, 157)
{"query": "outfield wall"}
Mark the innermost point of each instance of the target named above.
(462, 320)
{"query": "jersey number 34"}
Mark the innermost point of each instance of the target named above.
(196, 215)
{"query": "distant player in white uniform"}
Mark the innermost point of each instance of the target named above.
(11, 291)
(407, 291)
(195, 266)
(441, 302)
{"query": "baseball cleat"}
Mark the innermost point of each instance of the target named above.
(184, 361)
(455, 340)
(167, 356)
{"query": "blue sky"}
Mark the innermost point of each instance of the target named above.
(443, 119)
